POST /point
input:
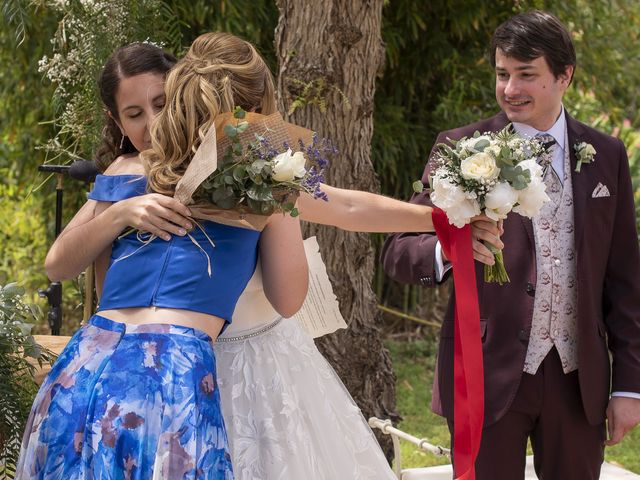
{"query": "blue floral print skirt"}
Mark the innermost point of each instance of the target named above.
(128, 402)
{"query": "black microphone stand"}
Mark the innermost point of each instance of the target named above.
(53, 293)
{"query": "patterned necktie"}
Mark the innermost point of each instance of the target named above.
(551, 180)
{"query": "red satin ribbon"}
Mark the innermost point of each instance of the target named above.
(468, 371)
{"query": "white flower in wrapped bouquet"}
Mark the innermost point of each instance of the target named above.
(288, 165)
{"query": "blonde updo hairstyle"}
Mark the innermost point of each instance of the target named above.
(220, 71)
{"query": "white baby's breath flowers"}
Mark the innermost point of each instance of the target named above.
(288, 166)
(88, 31)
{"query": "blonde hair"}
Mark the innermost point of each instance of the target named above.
(219, 72)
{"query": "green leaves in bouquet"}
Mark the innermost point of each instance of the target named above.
(260, 193)
(224, 197)
(244, 174)
(518, 177)
(447, 152)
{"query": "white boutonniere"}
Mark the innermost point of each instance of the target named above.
(585, 153)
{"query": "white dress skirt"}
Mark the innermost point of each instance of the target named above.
(288, 415)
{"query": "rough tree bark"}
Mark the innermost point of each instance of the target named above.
(330, 53)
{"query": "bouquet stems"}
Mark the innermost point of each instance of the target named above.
(496, 273)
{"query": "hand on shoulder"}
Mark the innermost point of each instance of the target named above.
(157, 214)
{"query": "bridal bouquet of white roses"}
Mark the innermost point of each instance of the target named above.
(490, 173)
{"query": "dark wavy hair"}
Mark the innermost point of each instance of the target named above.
(128, 61)
(535, 34)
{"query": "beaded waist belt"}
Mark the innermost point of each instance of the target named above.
(260, 331)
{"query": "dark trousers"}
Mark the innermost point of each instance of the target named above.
(548, 409)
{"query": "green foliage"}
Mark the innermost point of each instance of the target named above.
(253, 20)
(15, 13)
(414, 365)
(87, 34)
(314, 93)
(17, 387)
(24, 239)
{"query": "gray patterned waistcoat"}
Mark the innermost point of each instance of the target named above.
(554, 320)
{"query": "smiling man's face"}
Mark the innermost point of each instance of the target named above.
(528, 92)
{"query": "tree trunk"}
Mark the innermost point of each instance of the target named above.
(330, 53)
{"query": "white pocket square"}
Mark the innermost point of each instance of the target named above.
(600, 191)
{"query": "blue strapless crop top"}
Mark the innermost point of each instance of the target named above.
(111, 188)
(175, 274)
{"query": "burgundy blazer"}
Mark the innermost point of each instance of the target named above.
(608, 264)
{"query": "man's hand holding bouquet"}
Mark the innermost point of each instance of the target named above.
(491, 174)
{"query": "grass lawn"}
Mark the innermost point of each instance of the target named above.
(414, 363)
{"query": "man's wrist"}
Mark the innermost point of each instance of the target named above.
(626, 394)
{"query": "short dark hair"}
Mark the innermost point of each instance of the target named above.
(133, 59)
(535, 34)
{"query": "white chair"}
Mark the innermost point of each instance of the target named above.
(445, 472)
(436, 473)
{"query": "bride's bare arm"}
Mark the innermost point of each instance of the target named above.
(285, 273)
(360, 211)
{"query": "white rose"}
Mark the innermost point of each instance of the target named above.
(532, 198)
(458, 206)
(534, 168)
(288, 166)
(480, 166)
(500, 201)
(461, 213)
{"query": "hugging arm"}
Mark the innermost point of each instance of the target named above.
(285, 272)
(97, 224)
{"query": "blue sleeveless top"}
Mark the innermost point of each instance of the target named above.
(175, 274)
(111, 188)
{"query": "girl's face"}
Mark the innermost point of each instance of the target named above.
(139, 99)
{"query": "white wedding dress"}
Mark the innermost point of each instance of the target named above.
(287, 414)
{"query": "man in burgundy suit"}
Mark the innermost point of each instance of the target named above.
(561, 341)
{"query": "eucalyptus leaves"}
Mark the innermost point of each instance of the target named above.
(254, 175)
